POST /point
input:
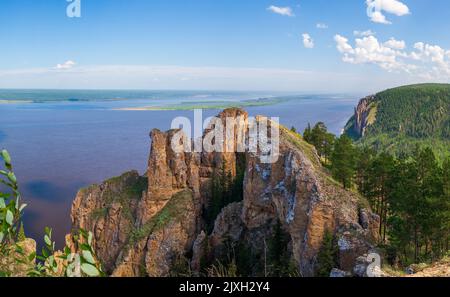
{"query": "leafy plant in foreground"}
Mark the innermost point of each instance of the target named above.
(14, 259)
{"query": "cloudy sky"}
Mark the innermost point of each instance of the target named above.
(281, 45)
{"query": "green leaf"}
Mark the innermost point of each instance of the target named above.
(47, 240)
(9, 217)
(85, 247)
(6, 157)
(90, 270)
(87, 255)
(45, 253)
(41, 258)
(32, 256)
(2, 235)
(12, 178)
(2, 203)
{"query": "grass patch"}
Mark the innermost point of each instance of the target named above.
(121, 189)
(297, 140)
(173, 211)
(372, 117)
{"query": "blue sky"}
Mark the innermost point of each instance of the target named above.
(224, 44)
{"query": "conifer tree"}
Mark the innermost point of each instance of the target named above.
(326, 258)
(343, 161)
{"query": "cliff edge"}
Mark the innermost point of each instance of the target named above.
(158, 224)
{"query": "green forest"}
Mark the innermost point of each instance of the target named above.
(410, 194)
(408, 116)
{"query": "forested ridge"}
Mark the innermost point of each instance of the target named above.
(407, 117)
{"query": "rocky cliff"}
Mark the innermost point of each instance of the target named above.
(364, 116)
(157, 225)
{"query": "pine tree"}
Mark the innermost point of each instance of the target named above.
(364, 162)
(343, 160)
(278, 252)
(326, 259)
(377, 188)
(321, 139)
(307, 134)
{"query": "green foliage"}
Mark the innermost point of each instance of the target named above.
(343, 161)
(278, 254)
(419, 208)
(83, 263)
(375, 184)
(407, 116)
(12, 235)
(220, 270)
(244, 259)
(326, 259)
(172, 211)
(322, 140)
(300, 143)
(417, 111)
(11, 208)
(181, 267)
(411, 196)
(224, 190)
(410, 193)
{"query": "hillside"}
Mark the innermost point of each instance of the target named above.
(398, 119)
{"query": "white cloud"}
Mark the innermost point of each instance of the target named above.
(395, 44)
(66, 65)
(342, 44)
(363, 33)
(376, 8)
(426, 61)
(286, 11)
(378, 17)
(308, 42)
(321, 26)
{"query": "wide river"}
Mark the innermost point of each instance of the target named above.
(77, 138)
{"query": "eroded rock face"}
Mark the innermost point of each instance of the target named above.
(362, 112)
(155, 222)
(297, 192)
(109, 211)
(143, 232)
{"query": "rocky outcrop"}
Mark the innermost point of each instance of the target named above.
(109, 210)
(154, 246)
(362, 118)
(298, 193)
(142, 225)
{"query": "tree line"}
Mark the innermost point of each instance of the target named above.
(410, 194)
